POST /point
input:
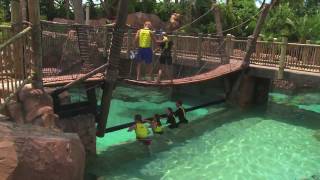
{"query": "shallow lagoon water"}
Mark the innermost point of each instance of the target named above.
(253, 146)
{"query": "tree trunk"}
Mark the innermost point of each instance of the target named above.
(112, 70)
(16, 22)
(250, 48)
(34, 15)
(78, 11)
(66, 4)
(217, 19)
(23, 6)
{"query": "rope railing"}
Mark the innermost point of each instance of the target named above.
(15, 65)
(188, 49)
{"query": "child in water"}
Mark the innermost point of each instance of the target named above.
(170, 119)
(156, 125)
(181, 113)
(142, 132)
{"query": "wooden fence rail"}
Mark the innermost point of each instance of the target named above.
(15, 65)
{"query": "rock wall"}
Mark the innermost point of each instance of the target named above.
(37, 153)
(84, 126)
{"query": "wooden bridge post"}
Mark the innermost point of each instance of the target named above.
(229, 46)
(199, 47)
(34, 16)
(249, 42)
(305, 54)
(258, 47)
(282, 60)
(273, 49)
(87, 14)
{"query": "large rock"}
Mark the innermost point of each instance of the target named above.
(84, 126)
(37, 106)
(136, 20)
(37, 153)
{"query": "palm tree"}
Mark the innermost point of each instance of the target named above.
(112, 70)
(217, 19)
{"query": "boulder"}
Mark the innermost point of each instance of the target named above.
(37, 106)
(84, 126)
(136, 20)
(37, 153)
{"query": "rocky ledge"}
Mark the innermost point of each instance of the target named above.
(38, 153)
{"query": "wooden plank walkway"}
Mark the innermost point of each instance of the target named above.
(235, 65)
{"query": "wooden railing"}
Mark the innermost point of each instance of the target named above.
(301, 57)
(5, 33)
(15, 65)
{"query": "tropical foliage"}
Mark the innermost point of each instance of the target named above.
(297, 19)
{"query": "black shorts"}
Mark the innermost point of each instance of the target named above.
(165, 59)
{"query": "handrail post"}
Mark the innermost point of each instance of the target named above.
(233, 38)
(34, 16)
(305, 53)
(273, 50)
(229, 47)
(199, 47)
(258, 47)
(87, 14)
(282, 60)
(249, 41)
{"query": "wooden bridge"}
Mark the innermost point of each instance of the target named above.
(18, 64)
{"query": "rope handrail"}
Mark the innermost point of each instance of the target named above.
(200, 17)
(5, 26)
(14, 38)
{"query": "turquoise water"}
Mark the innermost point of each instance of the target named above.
(129, 100)
(227, 144)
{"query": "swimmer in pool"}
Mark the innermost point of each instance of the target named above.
(142, 132)
(170, 119)
(181, 113)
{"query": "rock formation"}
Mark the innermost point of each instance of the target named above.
(136, 20)
(37, 153)
(84, 126)
(34, 107)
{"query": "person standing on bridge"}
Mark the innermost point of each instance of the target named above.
(165, 57)
(144, 37)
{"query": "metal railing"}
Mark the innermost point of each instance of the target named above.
(15, 65)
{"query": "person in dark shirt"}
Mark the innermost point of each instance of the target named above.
(170, 119)
(165, 59)
(180, 113)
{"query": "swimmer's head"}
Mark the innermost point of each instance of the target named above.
(137, 118)
(147, 24)
(178, 103)
(169, 111)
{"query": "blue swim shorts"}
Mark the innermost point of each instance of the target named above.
(144, 54)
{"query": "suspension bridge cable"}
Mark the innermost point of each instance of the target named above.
(241, 24)
(200, 17)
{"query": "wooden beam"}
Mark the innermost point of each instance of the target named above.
(112, 70)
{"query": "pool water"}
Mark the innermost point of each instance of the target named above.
(248, 145)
